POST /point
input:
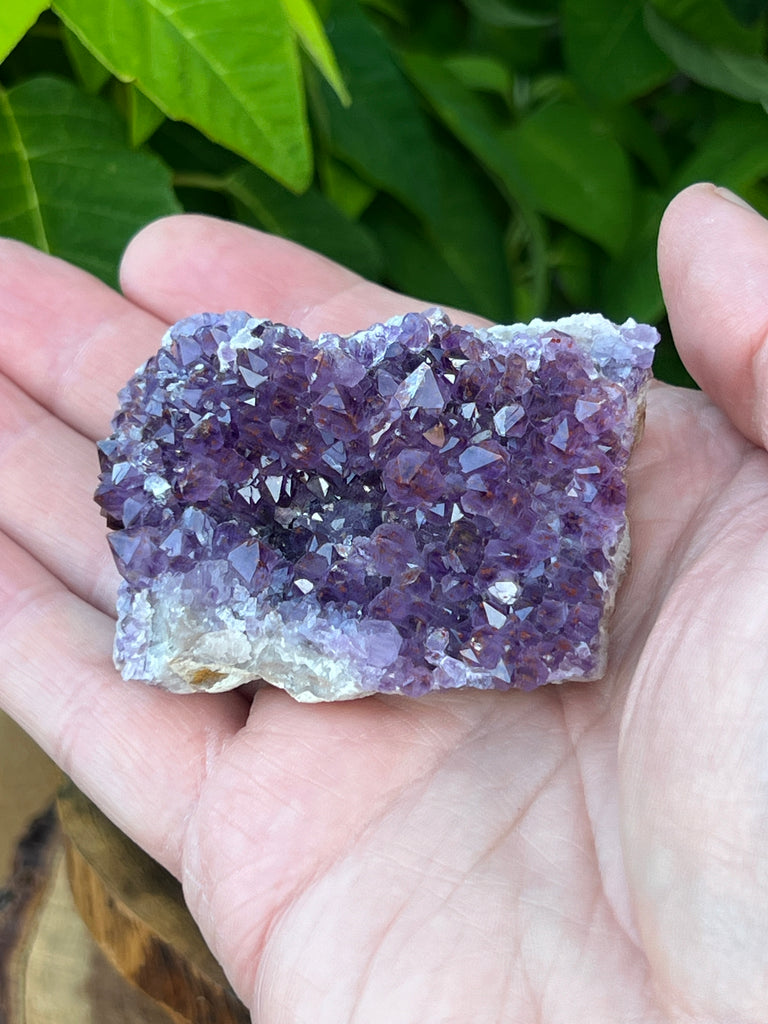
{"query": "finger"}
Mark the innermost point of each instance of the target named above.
(47, 478)
(68, 340)
(112, 737)
(71, 342)
(713, 264)
(237, 267)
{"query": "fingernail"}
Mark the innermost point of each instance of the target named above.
(725, 193)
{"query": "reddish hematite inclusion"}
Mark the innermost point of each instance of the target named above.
(418, 506)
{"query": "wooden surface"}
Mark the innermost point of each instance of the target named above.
(28, 782)
(51, 969)
(136, 912)
(92, 931)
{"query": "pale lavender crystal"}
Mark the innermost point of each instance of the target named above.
(419, 506)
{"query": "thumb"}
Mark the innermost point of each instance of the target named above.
(713, 265)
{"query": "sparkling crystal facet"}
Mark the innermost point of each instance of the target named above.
(416, 507)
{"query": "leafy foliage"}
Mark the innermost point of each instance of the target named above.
(69, 182)
(510, 156)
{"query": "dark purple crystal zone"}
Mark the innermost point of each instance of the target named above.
(410, 473)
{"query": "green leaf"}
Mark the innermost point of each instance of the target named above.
(578, 173)
(481, 72)
(469, 234)
(309, 219)
(737, 74)
(390, 8)
(734, 153)
(188, 150)
(639, 138)
(573, 265)
(90, 72)
(711, 22)
(508, 15)
(69, 183)
(609, 52)
(757, 197)
(307, 25)
(413, 265)
(144, 118)
(746, 11)
(343, 187)
(459, 261)
(397, 152)
(383, 135)
(230, 69)
(468, 118)
(16, 18)
(527, 256)
(629, 284)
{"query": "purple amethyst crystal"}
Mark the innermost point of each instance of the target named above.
(416, 507)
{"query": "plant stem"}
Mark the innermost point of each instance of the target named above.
(199, 179)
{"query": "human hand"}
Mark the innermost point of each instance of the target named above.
(593, 852)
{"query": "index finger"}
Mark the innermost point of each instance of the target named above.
(239, 267)
(71, 342)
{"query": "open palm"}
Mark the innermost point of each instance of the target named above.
(585, 853)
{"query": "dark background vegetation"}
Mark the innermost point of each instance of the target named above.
(512, 158)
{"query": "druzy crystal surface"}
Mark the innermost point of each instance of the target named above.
(419, 506)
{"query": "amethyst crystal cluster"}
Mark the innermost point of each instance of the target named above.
(418, 506)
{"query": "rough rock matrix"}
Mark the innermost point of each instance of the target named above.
(418, 506)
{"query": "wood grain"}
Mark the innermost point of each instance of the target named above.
(124, 951)
(51, 969)
(136, 912)
(29, 783)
